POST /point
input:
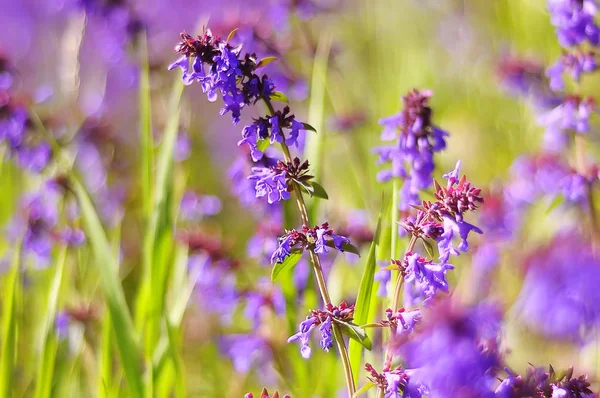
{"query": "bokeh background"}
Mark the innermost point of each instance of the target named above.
(344, 64)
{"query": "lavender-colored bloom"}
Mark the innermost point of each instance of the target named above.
(560, 288)
(574, 21)
(270, 183)
(575, 63)
(450, 356)
(452, 228)
(215, 286)
(571, 115)
(247, 351)
(426, 276)
(61, 325)
(304, 336)
(282, 251)
(326, 338)
(383, 276)
(417, 139)
(265, 297)
(194, 207)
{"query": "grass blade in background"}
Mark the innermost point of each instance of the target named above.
(314, 141)
(145, 121)
(43, 387)
(158, 237)
(9, 327)
(125, 336)
(363, 300)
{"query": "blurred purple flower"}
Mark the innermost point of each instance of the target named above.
(417, 139)
(574, 21)
(195, 207)
(560, 288)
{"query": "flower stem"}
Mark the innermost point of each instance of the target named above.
(580, 166)
(318, 270)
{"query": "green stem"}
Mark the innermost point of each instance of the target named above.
(318, 270)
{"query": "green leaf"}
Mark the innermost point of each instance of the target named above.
(9, 326)
(557, 201)
(108, 270)
(265, 61)
(306, 186)
(319, 191)
(289, 261)
(231, 34)
(355, 332)
(428, 248)
(262, 144)
(364, 389)
(145, 121)
(279, 96)
(43, 387)
(363, 300)
(309, 127)
(347, 247)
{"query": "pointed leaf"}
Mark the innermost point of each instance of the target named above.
(557, 201)
(363, 300)
(279, 96)
(364, 389)
(428, 248)
(355, 332)
(263, 144)
(231, 34)
(289, 261)
(265, 61)
(306, 186)
(319, 191)
(346, 247)
(309, 127)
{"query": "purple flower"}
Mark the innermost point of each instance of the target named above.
(304, 336)
(426, 276)
(318, 238)
(271, 183)
(383, 276)
(453, 228)
(451, 356)
(560, 288)
(61, 325)
(283, 250)
(247, 351)
(417, 139)
(574, 21)
(326, 339)
(194, 207)
(265, 297)
(576, 63)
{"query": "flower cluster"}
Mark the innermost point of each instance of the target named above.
(575, 64)
(423, 277)
(454, 352)
(275, 182)
(538, 382)
(39, 226)
(16, 132)
(401, 321)
(317, 238)
(395, 382)
(443, 219)
(417, 139)
(574, 21)
(322, 318)
(269, 129)
(217, 67)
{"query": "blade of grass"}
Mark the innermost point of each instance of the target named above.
(158, 240)
(363, 300)
(126, 339)
(314, 142)
(9, 328)
(145, 120)
(49, 343)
